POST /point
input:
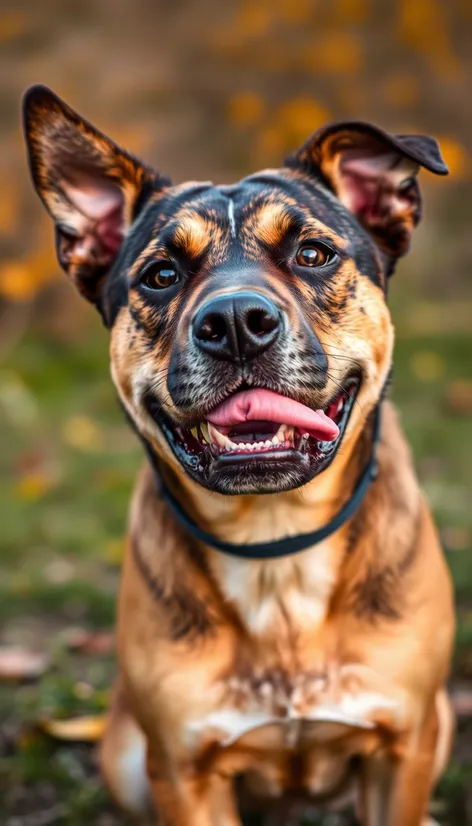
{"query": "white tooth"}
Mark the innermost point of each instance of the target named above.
(268, 443)
(215, 437)
(248, 446)
(280, 435)
(275, 440)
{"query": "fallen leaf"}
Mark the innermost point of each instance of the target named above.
(90, 642)
(461, 700)
(18, 664)
(86, 729)
(455, 538)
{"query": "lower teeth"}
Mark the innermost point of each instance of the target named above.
(283, 439)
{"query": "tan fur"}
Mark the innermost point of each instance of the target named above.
(283, 670)
(286, 642)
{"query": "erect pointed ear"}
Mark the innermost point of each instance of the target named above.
(374, 175)
(92, 189)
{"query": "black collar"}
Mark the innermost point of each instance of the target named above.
(279, 547)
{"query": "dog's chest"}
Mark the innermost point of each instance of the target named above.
(295, 697)
(281, 597)
(310, 724)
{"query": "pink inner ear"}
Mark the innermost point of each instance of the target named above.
(371, 183)
(95, 212)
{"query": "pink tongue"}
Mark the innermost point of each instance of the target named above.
(264, 405)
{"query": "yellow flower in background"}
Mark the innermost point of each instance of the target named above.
(402, 90)
(12, 25)
(33, 486)
(21, 279)
(82, 433)
(455, 156)
(113, 551)
(423, 25)
(337, 52)
(10, 204)
(296, 11)
(254, 18)
(351, 11)
(427, 366)
(245, 109)
(292, 123)
(299, 117)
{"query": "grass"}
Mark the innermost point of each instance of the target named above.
(71, 460)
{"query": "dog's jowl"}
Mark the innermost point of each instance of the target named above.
(285, 618)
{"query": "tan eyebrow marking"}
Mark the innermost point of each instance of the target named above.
(271, 222)
(192, 233)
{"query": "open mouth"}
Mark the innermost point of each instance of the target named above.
(259, 428)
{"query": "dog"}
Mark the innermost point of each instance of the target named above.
(285, 618)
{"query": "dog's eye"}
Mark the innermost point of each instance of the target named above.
(314, 255)
(159, 275)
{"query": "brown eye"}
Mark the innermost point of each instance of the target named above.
(159, 275)
(314, 255)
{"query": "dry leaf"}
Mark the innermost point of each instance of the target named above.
(91, 642)
(459, 396)
(461, 700)
(77, 729)
(20, 664)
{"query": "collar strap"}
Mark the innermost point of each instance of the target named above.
(291, 544)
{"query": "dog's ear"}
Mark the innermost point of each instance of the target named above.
(374, 175)
(92, 189)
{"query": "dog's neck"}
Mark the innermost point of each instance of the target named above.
(276, 596)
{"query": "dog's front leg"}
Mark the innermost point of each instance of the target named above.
(396, 788)
(187, 798)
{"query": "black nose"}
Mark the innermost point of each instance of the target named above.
(238, 326)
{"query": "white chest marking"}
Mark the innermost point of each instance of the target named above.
(259, 589)
(353, 711)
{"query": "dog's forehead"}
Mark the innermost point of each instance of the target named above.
(218, 225)
(219, 222)
(272, 188)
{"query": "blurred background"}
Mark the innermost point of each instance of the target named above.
(203, 90)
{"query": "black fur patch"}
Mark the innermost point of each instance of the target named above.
(189, 617)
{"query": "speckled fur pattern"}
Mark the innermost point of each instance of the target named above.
(299, 682)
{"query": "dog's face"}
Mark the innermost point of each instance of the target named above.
(250, 336)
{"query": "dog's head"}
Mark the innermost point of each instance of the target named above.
(250, 335)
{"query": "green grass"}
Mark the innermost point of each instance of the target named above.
(70, 461)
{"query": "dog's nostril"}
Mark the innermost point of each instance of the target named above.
(260, 322)
(236, 326)
(212, 328)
